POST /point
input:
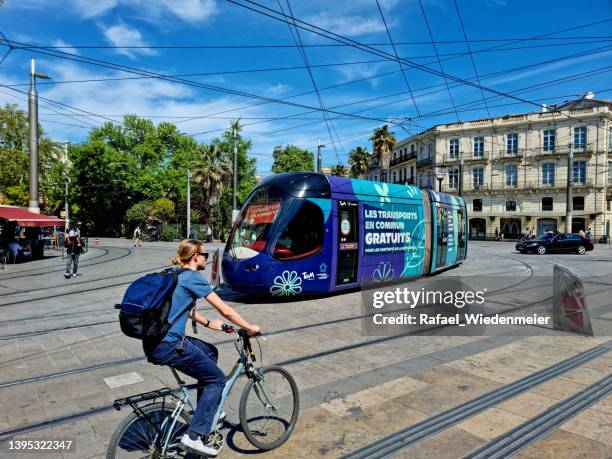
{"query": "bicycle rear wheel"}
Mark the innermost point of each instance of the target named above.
(137, 435)
(269, 408)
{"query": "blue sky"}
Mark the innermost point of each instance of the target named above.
(581, 57)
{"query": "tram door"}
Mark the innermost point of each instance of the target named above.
(461, 237)
(348, 242)
(441, 235)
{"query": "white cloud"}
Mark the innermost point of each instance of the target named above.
(122, 35)
(191, 10)
(65, 47)
(351, 25)
(90, 9)
(277, 90)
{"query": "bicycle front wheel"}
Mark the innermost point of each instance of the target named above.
(269, 408)
(144, 434)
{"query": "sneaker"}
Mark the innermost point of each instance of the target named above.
(67, 275)
(222, 417)
(198, 446)
(74, 275)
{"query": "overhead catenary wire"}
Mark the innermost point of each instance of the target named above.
(273, 14)
(382, 16)
(298, 41)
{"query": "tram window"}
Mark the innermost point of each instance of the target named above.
(303, 236)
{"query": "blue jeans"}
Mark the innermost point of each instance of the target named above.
(198, 360)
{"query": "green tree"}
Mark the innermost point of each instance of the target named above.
(138, 213)
(339, 170)
(359, 159)
(121, 165)
(292, 159)
(15, 160)
(384, 141)
(163, 209)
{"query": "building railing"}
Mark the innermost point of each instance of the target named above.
(424, 162)
(474, 156)
(404, 157)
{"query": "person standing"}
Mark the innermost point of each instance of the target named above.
(74, 248)
(137, 237)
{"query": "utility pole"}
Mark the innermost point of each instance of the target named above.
(33, 121)
(319, 146)
(188, 204)
(568, 200)
(235, 181)
(67, 206)
(461, 174)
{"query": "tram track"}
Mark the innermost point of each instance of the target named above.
(70, 283)
(391, 444)
(523, 435)
(84, 263)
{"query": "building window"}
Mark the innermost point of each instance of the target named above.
(453, 148)
(429, 150)
(580, 137)
(477, 177)
(548, 174)
(512, 144)
(547, 203)
(412, 148)
(549, 137)
(609, 172)
(477, 205)
(421, 152)
(394, 177)
(578, 202)
(478, 147)
(510, 206)
(453, 178)
(511, 175)
(579, 172)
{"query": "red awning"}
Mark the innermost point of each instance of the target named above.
(24, 217)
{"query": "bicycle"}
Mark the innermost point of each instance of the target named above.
(268, 410)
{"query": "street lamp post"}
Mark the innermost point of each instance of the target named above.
(461, 174)
(235, 181)
(33, 121)
(188, 204)
(319, 146)
(568, 197)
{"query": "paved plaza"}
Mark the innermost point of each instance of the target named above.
(63, 359)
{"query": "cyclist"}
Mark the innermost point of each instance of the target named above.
(193, 356)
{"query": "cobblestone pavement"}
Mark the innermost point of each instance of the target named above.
(60, 340)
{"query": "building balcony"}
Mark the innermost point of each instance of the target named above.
(403, 158)
(475, 189)
(583, 149)
(511, 155)
(424, 162)
(481, 157)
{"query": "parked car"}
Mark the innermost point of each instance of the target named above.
(560, 242)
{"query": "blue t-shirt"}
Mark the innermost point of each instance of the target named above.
(191, 286)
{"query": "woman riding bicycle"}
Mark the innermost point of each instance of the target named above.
(193, 356)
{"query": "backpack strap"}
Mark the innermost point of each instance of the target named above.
(177, 272)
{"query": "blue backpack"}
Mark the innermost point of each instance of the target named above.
(146, 306)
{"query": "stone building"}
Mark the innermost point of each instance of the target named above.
(515, 168)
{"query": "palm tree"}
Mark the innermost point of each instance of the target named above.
(212, 173)
(359, 159)
(384, 141)
(339, 170)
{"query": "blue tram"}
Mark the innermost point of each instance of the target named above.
(306, 233)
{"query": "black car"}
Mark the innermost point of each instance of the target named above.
(560, 242)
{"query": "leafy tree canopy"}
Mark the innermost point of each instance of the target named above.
(292, 159)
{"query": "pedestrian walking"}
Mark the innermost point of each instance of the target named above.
(74, 248)
(582, 233)
(588, 234)
(497, 238)
(137, 237)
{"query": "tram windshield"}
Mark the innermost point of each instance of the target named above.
(251, 230)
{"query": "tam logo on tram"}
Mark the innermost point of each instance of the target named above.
(306, 233)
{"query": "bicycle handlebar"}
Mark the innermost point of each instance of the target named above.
(228, 328)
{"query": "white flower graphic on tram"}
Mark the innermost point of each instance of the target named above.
(287, 284)
(383, 192)
(383, 273)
